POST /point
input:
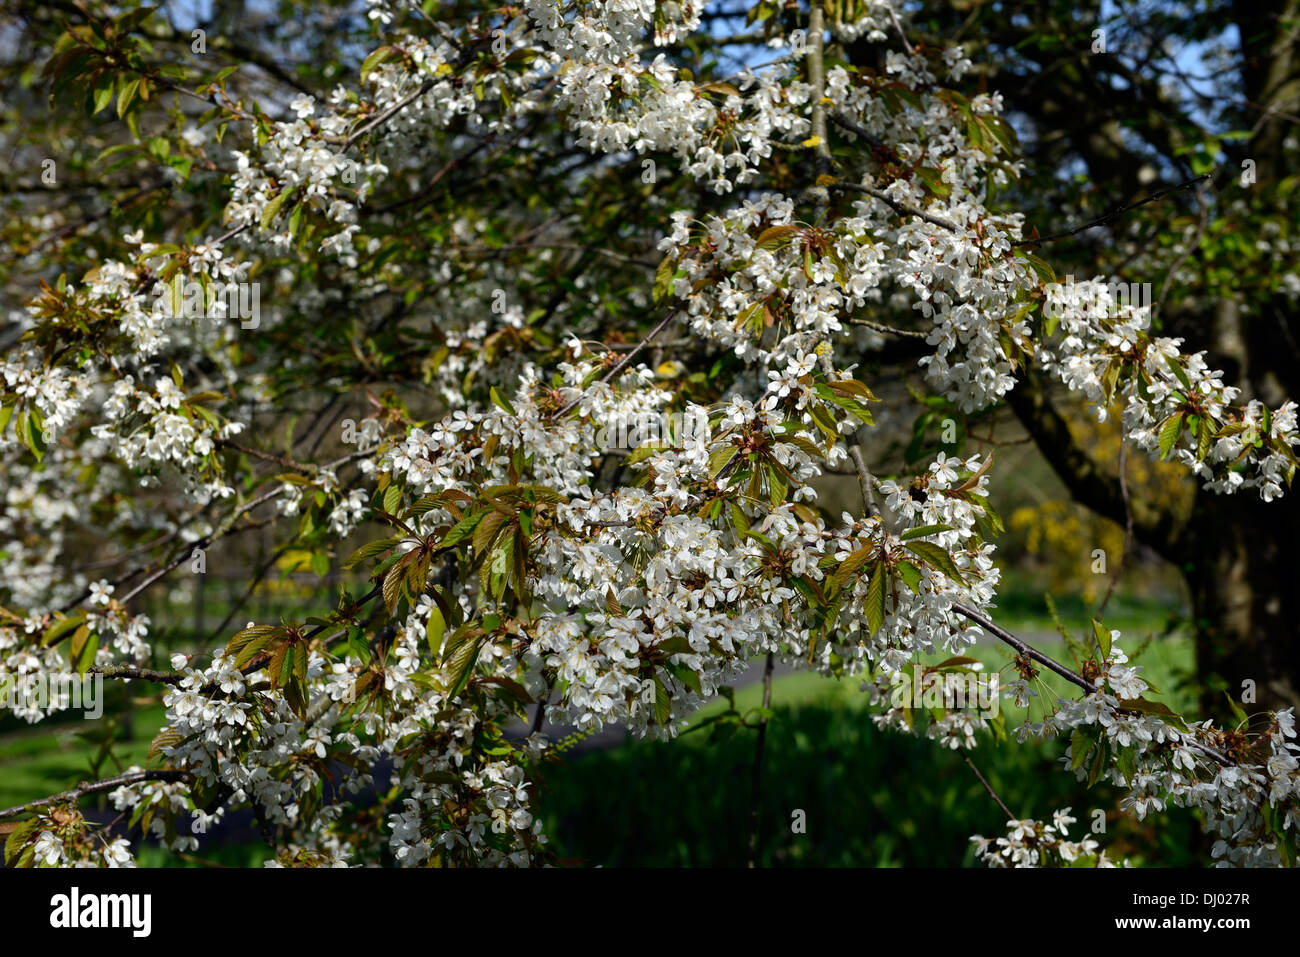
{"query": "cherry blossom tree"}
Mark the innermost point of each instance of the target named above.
(604, 275)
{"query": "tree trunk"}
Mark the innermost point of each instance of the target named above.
(1245, 591)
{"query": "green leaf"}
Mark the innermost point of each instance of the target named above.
(774, 237)
(1169, 432)
(1156, 708)
(922, 530)
(851, 564)
(663, 704)
(464, 528)
(1043, 270)
(254, 647)
(375, 59)
(273, 207)
(1204, 439)
(370, 550)
(777, 486)
(664, 275)
(1127, 762)
(687, 676)
(1237, 713)
(19, 836)
(1103, 638)
(461, 663)
(1098, 765)
(60, 628)
(31, 432)
(937, 557)
(103, 96)
(436, 628)
(393, 587)
(245, 635)
(1176, 368)
(81, 653)
(876, 593)
(1080, 745)
(125, 95)
(910, 574)
(719, 458)
(502, 402)
(357, 644)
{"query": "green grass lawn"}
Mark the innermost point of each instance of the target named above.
(50, 757)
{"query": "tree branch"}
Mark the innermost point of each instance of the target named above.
(97, 787)
(1087, 482)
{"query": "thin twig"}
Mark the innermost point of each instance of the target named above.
(144, 674)
(898, 25)
(97, 787)
(888, 330)
(621, 364)
(1030, 652)
(397, 107)
(1191, 248)
(900, 208)
(988, 787)
(1114, 213)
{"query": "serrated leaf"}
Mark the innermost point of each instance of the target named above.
(103, 96)
(436, 627)
(57, 631)
(393, 587)
(464, 528)
(1080, 745)
(777, 485)
(245, 635)
(850, 565)
(392, 499)
(720, 457)
(125, 95)
(166, 738)
(1169, 432)
(370, 550)
(487, 530)
(775, 237)
(24, 832)
(273, 207)
(804, 445)
(921, 531)
(875, 603)
(910, 574)
(936, 557)
(81, 652)
(1102, 634)
(664, 274)
(461, 664)
(1098, 765)
(501, 402)
(663, 704)
(1180, 374)
(375, 58)
(253, 648)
